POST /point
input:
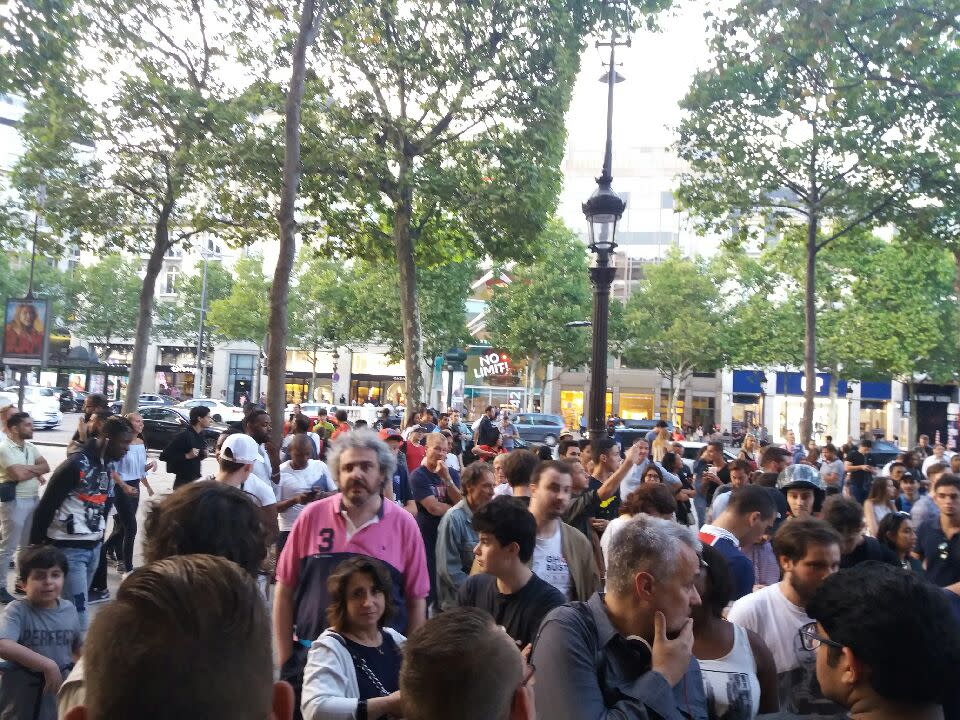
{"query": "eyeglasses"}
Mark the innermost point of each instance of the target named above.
(809, 639)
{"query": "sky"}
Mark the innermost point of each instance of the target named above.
(658, 68)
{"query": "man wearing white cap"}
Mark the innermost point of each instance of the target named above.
(236, 459)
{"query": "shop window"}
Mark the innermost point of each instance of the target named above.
(702, 411)
(636, 406)
(677, 418)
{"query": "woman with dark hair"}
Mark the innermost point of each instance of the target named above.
(650, 499)
(353, 669)
(686, 513)
(739, 674)
(652, 475)
(896, 531)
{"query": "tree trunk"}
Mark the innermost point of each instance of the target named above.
(312, 389)
(674, 394)
(280, 289)
(532, 364)
(141, 340)
(810, 329)
(409, 302)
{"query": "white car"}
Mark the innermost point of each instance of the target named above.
(42, 403)
(220, 411)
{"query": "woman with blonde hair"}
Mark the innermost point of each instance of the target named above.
(661, 444)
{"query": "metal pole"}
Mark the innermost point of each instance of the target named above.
(198, 381)
(449, 388)
(601, 277)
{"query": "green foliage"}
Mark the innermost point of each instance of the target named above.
(244, 313)
(831, 110)
(103, 299)
(326, 307)
(180, 318)
(527, 317)
(443, 292)
(673, 320)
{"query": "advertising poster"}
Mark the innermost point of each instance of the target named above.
(25, 331)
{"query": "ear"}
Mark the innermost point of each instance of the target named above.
(643, 584)
(522, 707)
(786, 564)
(282, 701)
(852, 670)
(77, 712)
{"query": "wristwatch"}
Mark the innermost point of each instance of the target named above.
(361, 710)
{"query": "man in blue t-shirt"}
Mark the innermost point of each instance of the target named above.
(747, 517)
(436, 489)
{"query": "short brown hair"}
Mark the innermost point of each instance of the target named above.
(649, 498)
(772, 453)
(337, 589)
(187, 636)
(739, 464)
(561, 466)
(463, 652)
(518, 467)
(206, 517)
(796, 535)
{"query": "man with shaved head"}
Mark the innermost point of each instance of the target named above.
(302, 480)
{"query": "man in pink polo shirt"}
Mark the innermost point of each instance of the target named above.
(356, 521)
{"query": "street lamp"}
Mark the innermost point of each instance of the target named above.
(603, 211)
(198, 383)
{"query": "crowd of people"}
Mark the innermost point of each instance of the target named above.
(444, 572)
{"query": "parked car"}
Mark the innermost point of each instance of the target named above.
(162, 424)
(539, 428)
(692, 450)
(627, 432)
(220, 411)
(883, 452)
(144, 400)
(42, 404)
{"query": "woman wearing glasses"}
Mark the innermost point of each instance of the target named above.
(896, 531)
(739, 674)
(353, 669)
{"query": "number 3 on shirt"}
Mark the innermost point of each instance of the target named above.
(326, 540)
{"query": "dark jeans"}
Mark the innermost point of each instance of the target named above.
(122, 502)
(125, 527)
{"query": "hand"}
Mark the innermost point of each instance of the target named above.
(711, 478)
(52, 679)
(304, 497)
(443, 471)
(671, 658)
(599, 525)
(525, 653)
(150, 492)
(632, 455)
(273, 453)
(129, 490)
(42, 479)
(192, 454)
(151, 466)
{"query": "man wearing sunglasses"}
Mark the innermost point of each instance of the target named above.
(860, 662)
(808, 551)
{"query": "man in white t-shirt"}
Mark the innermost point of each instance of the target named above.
(238, 455)
(808, 551)
(302, 481)
(563, 556)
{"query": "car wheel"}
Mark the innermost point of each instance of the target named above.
(217, 418)
(550, 440)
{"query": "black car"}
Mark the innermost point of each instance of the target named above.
(162, 424)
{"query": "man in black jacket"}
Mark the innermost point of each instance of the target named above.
(185, 452)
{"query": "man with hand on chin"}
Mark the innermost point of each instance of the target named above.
(356, 521)
(627, 653)
(436, 488)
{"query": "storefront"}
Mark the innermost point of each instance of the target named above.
(932, 404)
(572, 409)
(747, 400)
(492, 377)
(176, 373)
(633, 405)
(830, 416)
(240, 374)
(875, 398)
(378, 389)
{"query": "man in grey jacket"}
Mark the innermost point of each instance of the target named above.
(628, 653)
(456, 538)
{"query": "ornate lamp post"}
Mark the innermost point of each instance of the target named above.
(603, 211)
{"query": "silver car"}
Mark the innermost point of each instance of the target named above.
(539, 428)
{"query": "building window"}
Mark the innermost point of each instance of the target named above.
(636, 406)
(174, 251)
(170, 281)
